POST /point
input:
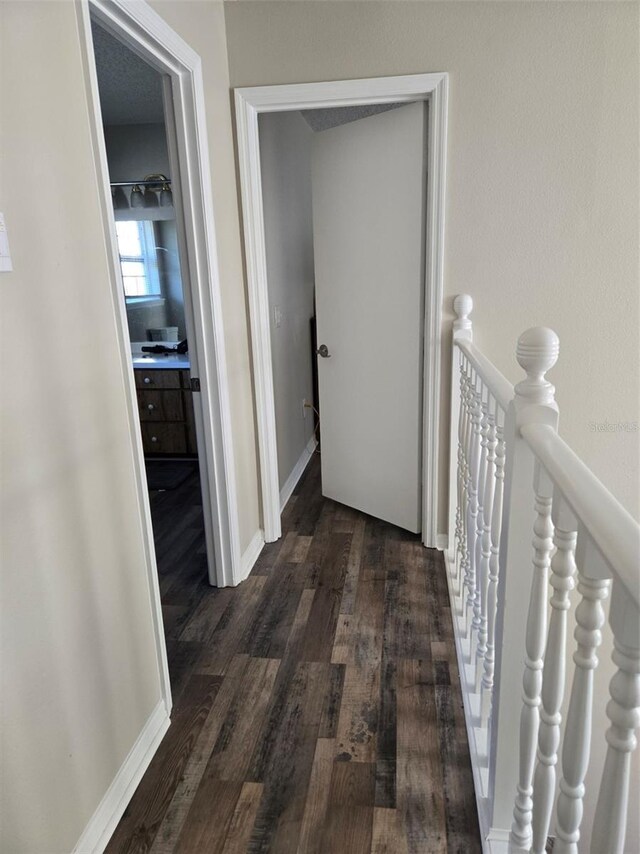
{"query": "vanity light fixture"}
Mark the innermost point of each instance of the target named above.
(144, 194)
(137, 197)
(166, 196)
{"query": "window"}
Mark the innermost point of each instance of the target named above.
(138, 258)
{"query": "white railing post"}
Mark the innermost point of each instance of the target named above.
(534, 402)
(623, 710)
(462, 329)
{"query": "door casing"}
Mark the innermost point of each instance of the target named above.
(250, 102)
(148, 35)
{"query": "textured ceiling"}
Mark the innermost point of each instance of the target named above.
(331, 117)
(130, 90)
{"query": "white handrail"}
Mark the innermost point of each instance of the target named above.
(614, 531)
(497, 383)
(507, 465)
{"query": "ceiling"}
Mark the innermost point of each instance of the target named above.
(331, 117)
(130, 89)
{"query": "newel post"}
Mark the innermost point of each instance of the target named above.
(521, 623)
(462, 329)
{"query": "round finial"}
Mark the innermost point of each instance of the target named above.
(537, 352)
(462, 306)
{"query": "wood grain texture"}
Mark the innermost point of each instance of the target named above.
(316, 706)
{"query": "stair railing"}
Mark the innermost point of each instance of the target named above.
(515, 483)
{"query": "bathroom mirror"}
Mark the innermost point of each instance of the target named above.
(150, 267)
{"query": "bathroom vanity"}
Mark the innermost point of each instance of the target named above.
(165, 404)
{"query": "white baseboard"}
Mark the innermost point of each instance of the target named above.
(442, 542)
(251, 553)
(292, 481)
(103, 822)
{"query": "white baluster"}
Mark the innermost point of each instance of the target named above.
(466, 479)
(492, 589)
(593, 585)
(563, 569)
(482, 476)
(537, 351)
(459, 547)
(472, 516)
(485, 556)
(623, 710)
(462, 329)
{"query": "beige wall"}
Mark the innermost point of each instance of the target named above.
(542, 198)
(79, 669)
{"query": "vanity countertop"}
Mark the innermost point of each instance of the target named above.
(165, 361)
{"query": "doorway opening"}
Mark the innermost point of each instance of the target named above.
(146, 253)
(138, 124)
(254, 108)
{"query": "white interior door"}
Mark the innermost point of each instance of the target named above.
(369, 179)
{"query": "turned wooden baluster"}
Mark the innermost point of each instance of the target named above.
(623, 710)
(472, 516)
(462, 329)
(464, 476)
(460, 461)
(563, 569)
(537, 351)
(466, 479)
(490, 442)
(593, 586)
(492, 589)
(476, 623)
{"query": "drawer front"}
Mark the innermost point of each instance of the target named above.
(157, 379)
(160, 405)
(164, 438)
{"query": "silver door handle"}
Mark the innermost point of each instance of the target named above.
(323, 351)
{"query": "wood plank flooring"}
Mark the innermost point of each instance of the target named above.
(317, 706)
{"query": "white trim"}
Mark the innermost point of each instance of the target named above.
(250, 102)
(103, 822)
(298, 470)
(252, 553)
(442, 542)
(148, 35)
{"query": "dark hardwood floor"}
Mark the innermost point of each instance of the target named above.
(316, 707)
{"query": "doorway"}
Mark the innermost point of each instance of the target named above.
(137, 124)
(251, 103)
(148, 36)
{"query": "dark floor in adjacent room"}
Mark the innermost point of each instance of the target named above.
(316, 706)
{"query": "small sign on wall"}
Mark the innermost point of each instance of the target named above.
(5, 255)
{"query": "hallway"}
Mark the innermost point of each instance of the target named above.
(317, 706)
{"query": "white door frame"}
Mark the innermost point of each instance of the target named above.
(145, 32)
(250, 102)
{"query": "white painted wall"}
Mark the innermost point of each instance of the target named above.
(79, 668)
(285, 155)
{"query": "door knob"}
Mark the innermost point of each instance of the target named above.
(323, 351)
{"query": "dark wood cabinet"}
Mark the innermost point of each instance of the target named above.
(165, 405)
